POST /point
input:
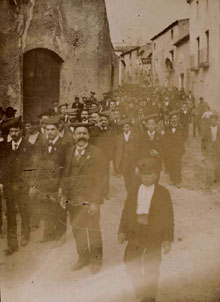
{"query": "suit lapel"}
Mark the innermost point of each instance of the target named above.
(85, 158)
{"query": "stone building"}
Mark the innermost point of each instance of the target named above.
(170, 56)
(134, 64)
(51, 51)
(205, 50)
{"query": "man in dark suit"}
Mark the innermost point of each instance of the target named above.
(103, 138)
(16, 162)
(147, 224)
(79, 106)
(210, 147)
(82, 193)
(150, 141)
(173, 148)
(185, 119)
(49, 165)
(126, 147)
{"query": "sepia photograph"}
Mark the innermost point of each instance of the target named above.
(110, 150)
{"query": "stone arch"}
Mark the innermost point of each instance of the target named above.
(41, 81)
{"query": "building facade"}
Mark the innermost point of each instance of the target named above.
(170, 56)
(134, 64)
(205, 50)
(52, 51)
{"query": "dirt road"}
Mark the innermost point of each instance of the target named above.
(190, 272)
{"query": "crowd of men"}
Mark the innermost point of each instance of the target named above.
(59, 165)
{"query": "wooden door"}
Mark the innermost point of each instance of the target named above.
(41, 82)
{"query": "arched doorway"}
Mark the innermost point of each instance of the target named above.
(41, 81)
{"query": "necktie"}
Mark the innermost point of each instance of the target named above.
(79, 155)
(15, 146)
(50, 147)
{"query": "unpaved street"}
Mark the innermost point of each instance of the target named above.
(190, 272)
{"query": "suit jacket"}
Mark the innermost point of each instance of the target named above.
(17, 164)
(185, 119)
(208, 147)
(160, 226)
(49, 166)
(105, 140)
(126, 151)
(145, 145)
(173, 143)
(83, 180)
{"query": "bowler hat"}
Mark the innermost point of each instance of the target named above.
(154, 116)
(125, 122)
(13, 122)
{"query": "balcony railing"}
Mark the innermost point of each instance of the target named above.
(204, 58)
(194, 63)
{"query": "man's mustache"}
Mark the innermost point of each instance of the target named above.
(82, 139)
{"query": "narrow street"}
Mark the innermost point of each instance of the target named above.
(190, 272)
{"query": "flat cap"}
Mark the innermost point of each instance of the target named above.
(105, 114)
(52, 120)
(148, 164)
(71, 110)
(154, 116)
(125, 121)
(78, 125)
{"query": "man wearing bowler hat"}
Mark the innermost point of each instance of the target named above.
(49, 165)
(126, 149)
(81, 188)
(174, 148)
(17, 161)
(147, 224)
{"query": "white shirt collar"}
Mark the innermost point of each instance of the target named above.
(54, 140)
(145, 195)
(81, 150)
(33, 137)
(127, 136)
(151, 134)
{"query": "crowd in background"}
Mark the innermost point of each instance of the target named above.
(42, 174)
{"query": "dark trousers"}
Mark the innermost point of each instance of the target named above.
(106, 178)
(54, 218)
(195, 126)
(200, 125)
(17, 198)
(142, 265)
(87, 233)
(128, 175)
(175, 168)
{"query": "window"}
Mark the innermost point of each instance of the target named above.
(198, 50)
(171, 34)
(207, 4)
(207, 45)
(154, 46)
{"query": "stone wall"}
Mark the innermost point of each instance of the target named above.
(76, 30)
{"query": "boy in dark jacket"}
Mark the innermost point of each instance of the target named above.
(147, 224)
